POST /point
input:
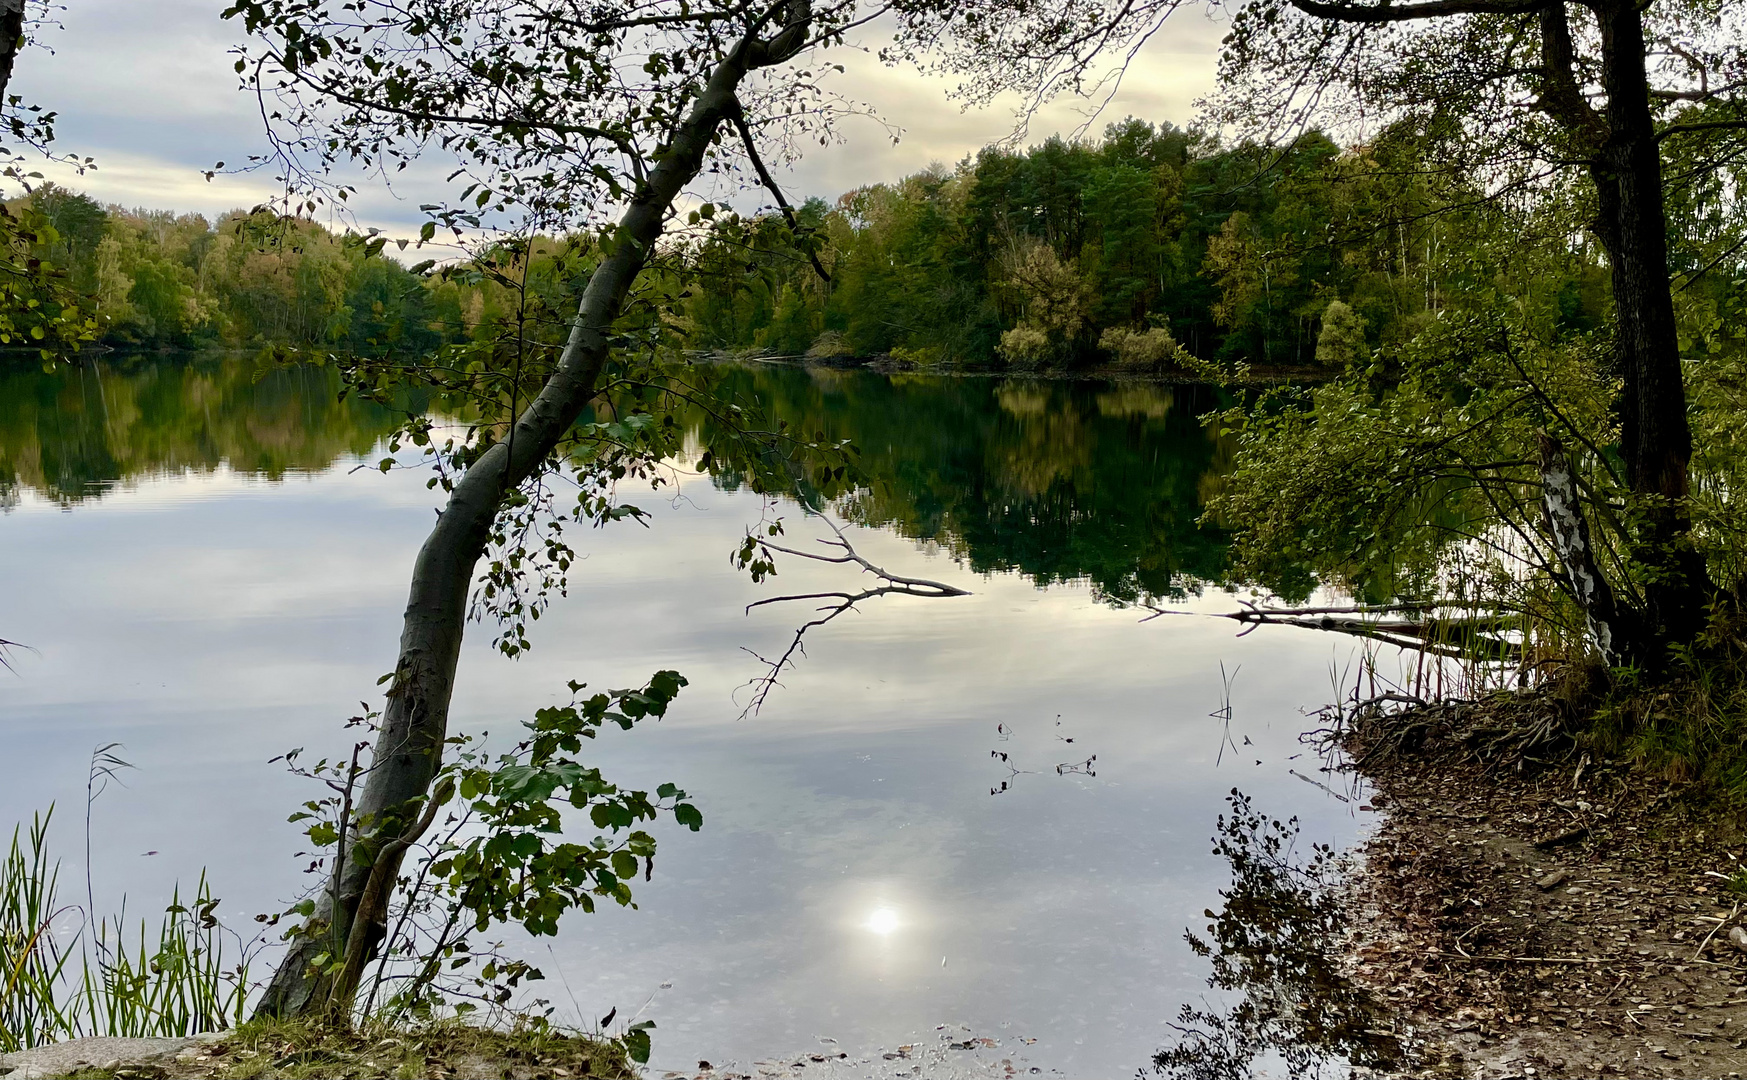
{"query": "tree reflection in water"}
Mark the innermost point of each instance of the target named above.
(1277, 943)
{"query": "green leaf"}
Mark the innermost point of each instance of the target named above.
(637, 1045)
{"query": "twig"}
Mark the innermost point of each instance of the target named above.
(5, 660)
(1616, 989)
(1317, 783)
(1223, 713)
(1544, 959)
(843, 601)
(1721, 923)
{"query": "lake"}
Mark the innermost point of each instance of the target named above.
(208, 570)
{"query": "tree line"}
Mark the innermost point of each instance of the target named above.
(1152, 248)
(159, 279)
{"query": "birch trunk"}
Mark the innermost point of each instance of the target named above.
(1563, 511)
(408, 751)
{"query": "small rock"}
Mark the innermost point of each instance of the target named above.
(1554, 880)
(1738, 937)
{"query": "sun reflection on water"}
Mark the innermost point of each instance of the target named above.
(883, 920)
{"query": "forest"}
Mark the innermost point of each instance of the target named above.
(1151, 249)
(1425, 338)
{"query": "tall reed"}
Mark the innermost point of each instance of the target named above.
(31, 1010)
(107, 980)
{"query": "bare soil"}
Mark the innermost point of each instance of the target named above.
(1522, 911)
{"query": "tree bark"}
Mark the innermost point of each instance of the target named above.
(1619, 142)
(409, 745)
(11, 39)
(1632, 225)
(1562, 508)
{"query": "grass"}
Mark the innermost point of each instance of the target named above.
(32, 965)
(106, 980)
(67, 975)
(1690, 728)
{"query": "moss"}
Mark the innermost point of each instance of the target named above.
(295, 1049)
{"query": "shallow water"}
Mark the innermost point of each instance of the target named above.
(204, 576)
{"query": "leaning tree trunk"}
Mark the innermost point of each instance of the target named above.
(1656, 441)
(409, 745)
(11, 37)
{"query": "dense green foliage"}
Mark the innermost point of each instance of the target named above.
(158, 279)
(1060, 481)
(1075, 254)
(73, 432)
(1417, 470)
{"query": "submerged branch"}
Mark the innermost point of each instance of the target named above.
(1447, 637)
(838, 603)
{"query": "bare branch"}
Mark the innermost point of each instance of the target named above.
(738, 118)
(840, 603)
(1431, 9)
(1708, 125)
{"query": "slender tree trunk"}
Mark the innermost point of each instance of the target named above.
(409, 745)
(1562, 508)
(1632, 225)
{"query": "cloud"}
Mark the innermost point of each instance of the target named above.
(149, 91)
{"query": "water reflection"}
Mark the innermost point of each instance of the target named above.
(71, 433)
(211, 625)
(1276, 944)
(1062, 481)
(883, 921)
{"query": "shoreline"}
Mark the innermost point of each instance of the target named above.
(884, 365)
(1523, 911)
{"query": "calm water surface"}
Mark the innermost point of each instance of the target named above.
(206, 577)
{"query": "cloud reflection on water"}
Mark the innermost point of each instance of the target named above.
(210, 622)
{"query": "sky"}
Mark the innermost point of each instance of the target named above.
(148, 90)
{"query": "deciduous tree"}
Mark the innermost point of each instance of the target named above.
(561, 116)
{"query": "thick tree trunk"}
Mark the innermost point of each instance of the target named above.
(11, 39)
(1632, 225)
(409, 745)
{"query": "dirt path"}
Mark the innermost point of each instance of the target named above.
(1549, 922)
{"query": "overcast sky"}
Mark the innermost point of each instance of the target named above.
(147, 89)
